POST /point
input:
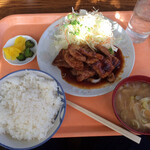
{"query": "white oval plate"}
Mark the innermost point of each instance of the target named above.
(46, 53)
(11, 42)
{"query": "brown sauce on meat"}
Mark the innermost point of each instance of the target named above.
(68, 77)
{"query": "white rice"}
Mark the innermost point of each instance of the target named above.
(28, 105)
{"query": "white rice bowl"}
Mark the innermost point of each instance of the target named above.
(32, 108)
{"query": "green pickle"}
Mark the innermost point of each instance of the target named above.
(29, 44)
(21, 57)
(28, 53)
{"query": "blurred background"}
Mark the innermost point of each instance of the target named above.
(8, 7)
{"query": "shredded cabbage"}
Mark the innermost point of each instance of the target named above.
(89, 28)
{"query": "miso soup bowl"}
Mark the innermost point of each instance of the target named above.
(135, 78)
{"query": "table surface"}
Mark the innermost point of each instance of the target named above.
(9, 7)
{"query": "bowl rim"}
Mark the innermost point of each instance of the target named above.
(133, 78)
(61, 120)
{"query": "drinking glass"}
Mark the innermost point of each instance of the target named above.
(139, 25)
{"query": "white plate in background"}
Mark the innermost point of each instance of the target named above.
(46, 53)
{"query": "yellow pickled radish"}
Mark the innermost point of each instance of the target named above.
(11, 52)
(20, 43)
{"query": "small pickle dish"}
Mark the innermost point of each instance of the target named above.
(20, 50)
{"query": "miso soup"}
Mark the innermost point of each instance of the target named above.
(133, 105)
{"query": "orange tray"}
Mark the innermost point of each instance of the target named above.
(75, 124)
